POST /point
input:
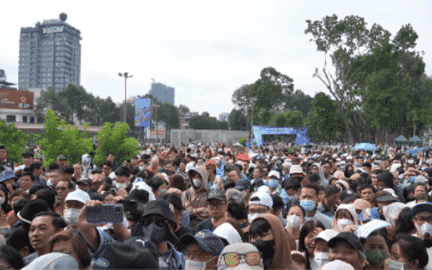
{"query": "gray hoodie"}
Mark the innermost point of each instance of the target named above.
(193, 197)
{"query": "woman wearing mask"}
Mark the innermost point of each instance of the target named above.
(408, 252)
(345, 216)
(295, 218)
(376, 250)
(309, 231)
(321, 253)
(4, 207)
(215, 180)
(194, 199)
(271, 239)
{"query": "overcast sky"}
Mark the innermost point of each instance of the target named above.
(206, 49)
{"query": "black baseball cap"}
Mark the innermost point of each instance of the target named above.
(346, 237)
(421, 207)
(348, 195)
(208, 241)
(159, 207)
(216, 195)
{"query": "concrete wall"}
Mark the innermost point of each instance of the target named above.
(179, 136)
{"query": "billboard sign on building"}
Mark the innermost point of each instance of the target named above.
(15, 99)
(142, 112)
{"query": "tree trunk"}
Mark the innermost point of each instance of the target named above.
(342, 110)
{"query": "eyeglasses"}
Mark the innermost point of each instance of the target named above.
(424, 219)
(216, 205)
(232, 259)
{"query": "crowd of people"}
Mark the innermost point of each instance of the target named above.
(217, 206)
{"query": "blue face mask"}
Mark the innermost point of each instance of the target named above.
(357, 164)
(308, 205)
(343, 167)
(273, 183)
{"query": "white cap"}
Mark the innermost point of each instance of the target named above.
(78, 195)
(274, 173)
(264, 189)
(296, 169)
(264, 199)
(337, 265)
(229, 233)
(326, 235)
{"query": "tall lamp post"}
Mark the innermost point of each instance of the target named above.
(126, 76)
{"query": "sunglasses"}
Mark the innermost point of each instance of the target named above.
(232, 259)
(159, 221)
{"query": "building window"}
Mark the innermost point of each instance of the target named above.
(24, 119)
(10, 118)
(32, 119)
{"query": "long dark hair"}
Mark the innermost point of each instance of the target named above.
(6, 206)
(413, 248)
(307, 227)
(404, 223)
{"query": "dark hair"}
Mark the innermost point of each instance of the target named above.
(277, 203)
(48, 195)
(77, 244)
(135, 171)
(108, 163)
(143, 174)
(387, 179)
(413, 248)
(404, 223)
(331, 189)
(382, 232)
(313, 178)
(53, 166)
(367, 185)
(27, 154)
(155, 183)
(237, 209)
(96, 170)
(56, 220)
(311, 186)
(28, 174)
(292, 184)
(258, 227)
(69, 183)
(35, 166)
(67, 170)
(177, 181)
(229, 184)
(19, 205)
(5, 206)
(18, 193)
(11, 256)
(18, 239)
(307, 227)
(296, 204)
(123, 170)
(107, 180)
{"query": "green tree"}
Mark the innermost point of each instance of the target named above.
(268, 93)
(202, 122)
(299, 101)
(237, 120)
(183, 109)
(59, 138)
(342, 41)
(287, 119)
(328, 119)
(52, 100)
(223, 125)
(14, 139)
(114, 138)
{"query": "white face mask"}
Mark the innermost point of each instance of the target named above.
(396, 265)
(197, 183)
(71, 215)
(141, 168)
(343, 222)
(190, 264)
(426, 228)
(252, 217)
(2, 200)
(120, 186)
(293, 221)
(321, 258)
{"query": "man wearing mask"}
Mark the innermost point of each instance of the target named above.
(216, 207)
(203, 250)
(74, 202)
(331, 199)
(308, 200)
(296, 172)
(122, 177)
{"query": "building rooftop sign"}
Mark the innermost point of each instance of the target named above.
(15, 99)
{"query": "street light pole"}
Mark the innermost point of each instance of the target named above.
(126, 76)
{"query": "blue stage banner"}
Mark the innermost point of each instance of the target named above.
(142, 112)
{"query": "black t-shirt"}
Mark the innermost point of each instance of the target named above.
(180, 246)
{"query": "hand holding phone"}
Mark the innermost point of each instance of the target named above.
(108, 213)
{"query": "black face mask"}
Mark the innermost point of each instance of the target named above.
(155, 233)
(267, 248)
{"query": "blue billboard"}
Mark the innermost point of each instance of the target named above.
(142, 112)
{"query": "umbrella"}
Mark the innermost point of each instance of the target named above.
(365, 146)
(414, 151)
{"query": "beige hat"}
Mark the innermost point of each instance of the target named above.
(296, 169)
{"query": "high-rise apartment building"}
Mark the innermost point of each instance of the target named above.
(49, 55)
(162, 93)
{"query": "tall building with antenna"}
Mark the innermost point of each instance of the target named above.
(49, 55)
(162, 93)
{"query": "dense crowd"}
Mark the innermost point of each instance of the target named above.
(219, 206)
